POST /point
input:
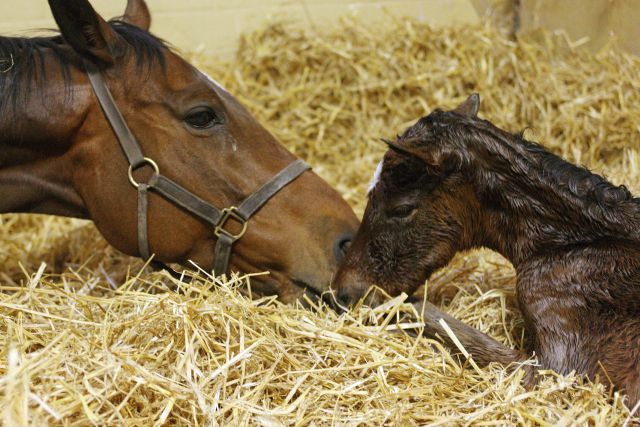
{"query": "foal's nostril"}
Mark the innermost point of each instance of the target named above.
(340, 247)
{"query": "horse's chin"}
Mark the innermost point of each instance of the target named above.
(288, 287)
(288, 290)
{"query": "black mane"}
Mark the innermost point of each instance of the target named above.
(521, 156)
(22, 66)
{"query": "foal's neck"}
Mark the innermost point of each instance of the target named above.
(544, 204)
(36, 132)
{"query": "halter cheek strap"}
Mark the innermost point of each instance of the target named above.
(178, 195)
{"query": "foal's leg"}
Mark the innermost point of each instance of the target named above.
(479, 345)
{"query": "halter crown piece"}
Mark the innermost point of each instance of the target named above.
(172, 191)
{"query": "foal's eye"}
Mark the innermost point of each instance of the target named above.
(402, 211)
(203, 118)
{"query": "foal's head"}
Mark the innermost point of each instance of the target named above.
(198, 134)
(453, 182)
(420, 204)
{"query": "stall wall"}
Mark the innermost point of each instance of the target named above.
(594, 22)
(214, 25)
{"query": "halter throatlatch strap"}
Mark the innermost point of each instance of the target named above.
(175, 193)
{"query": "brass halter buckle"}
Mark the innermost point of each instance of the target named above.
(147, 162)
(230, 213)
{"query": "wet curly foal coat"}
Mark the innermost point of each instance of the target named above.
(453, 182)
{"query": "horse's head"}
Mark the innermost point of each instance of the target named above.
(420, 203)
(200, 137)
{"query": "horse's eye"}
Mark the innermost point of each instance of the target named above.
(402, 211)
(203, 118)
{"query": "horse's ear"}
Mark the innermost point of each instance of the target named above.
(89, 35)
(470, 107)
(137, 14)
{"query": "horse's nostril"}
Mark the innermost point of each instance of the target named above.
(341, 246)
(344, 245)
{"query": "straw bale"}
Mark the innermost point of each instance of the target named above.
(88, 338)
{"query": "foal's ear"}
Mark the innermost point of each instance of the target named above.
(89, 35)
(470, 107)
(137, 14)
(398, 148)
(429, 154)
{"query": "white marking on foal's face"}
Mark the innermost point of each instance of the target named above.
(376, 177)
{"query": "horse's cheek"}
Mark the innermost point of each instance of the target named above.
(111, 202)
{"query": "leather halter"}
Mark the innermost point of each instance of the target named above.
(175, 193)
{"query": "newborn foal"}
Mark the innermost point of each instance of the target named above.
(453, 182)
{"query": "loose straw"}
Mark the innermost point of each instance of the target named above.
(90, 338)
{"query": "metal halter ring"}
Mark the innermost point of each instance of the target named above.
(147, 161)
(228, 213)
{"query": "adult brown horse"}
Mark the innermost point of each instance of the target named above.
(453, 182)
(60, 153)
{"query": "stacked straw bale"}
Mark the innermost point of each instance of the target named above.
(78, 351)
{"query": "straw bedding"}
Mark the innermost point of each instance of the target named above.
(88, 340)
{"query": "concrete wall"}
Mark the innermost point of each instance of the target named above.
(214, 25)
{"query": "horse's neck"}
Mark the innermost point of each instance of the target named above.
(35, 168)
(521, 220)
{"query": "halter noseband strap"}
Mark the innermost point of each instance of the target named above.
(175, 193)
